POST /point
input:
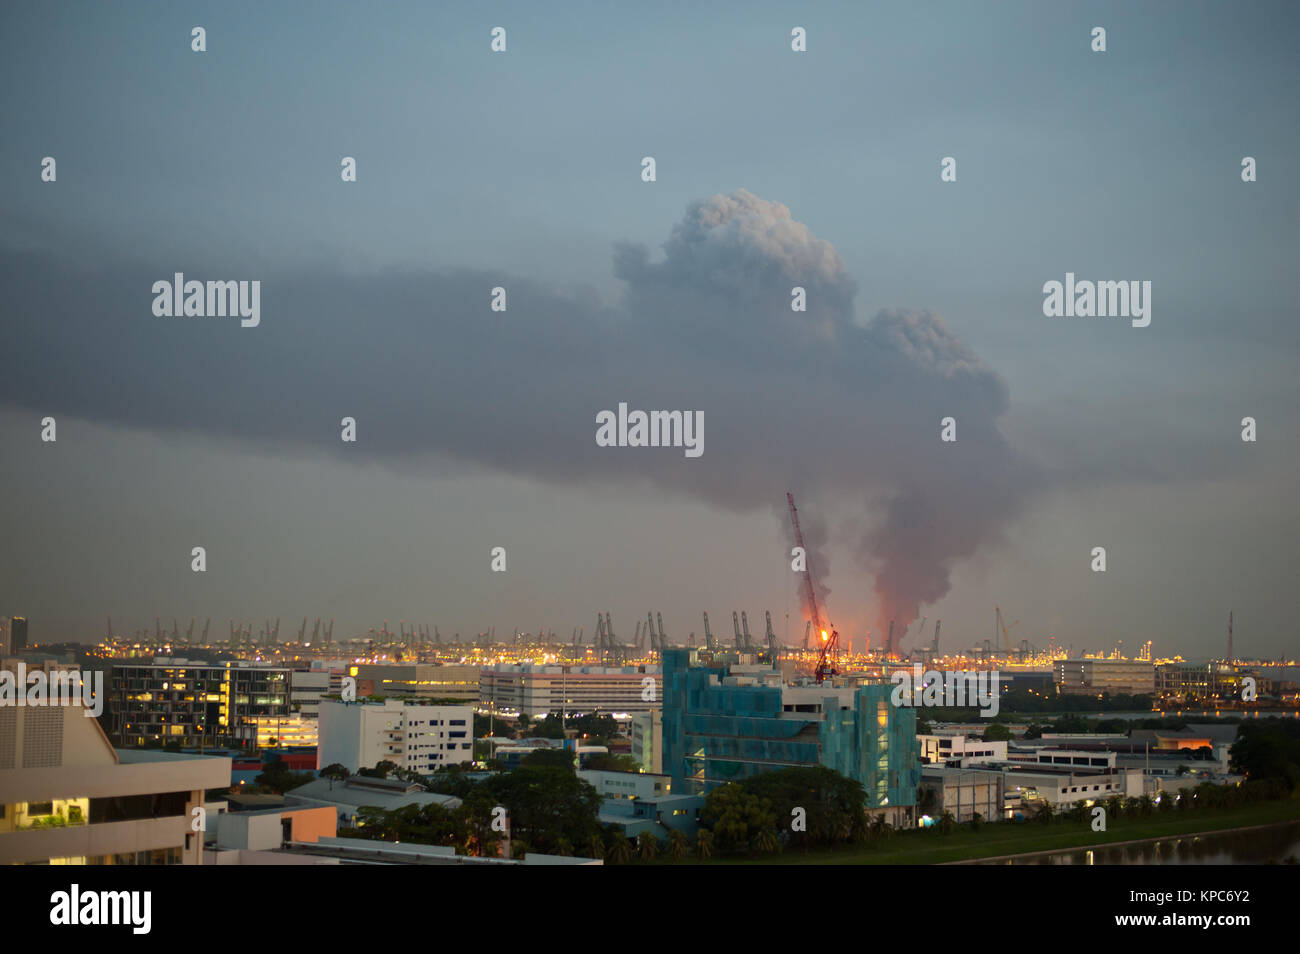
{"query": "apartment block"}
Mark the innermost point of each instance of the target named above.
(535, 691)
(194, 703)
(412, 735)
(67, 797)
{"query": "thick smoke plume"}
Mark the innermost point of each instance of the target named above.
(846, 415)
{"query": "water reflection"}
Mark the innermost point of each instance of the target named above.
(1277, 844)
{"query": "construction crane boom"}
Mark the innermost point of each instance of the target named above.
(810, 593)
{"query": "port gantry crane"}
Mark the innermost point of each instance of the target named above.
(830, 641)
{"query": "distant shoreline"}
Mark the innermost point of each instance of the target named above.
(1117, 844)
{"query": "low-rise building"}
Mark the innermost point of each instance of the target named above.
(1097, 676)
(67, 797)
(946, 748)
(537, 690)
(349, 796)
(964, 792)
(417, 680)
(412, 735)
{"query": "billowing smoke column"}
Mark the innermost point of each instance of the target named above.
(845, 414)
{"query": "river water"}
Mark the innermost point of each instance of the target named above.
(1274, 844)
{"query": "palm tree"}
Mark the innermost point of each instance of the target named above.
(620, 849)
(765, 842)
(646, 845)
(596, 846)
(676, 845)
(704, 844)
(562, 847)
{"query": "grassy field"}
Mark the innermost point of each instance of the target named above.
(926, 847)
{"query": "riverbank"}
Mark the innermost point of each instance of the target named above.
(1007, 839)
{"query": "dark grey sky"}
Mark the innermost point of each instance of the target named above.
(522, 169)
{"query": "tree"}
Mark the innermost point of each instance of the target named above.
(676, 845)
(335, 772)
(612, 763)
(620, 849)
(544, 802)
(704, 844)
(735, 815)
(557, 758)
(277, 777)
(766, 842)
(646, 845)
(382, 770)
(947, 823)
(596, 845)
(997, 732)
(831, 804)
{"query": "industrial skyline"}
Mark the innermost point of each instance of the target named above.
(475, 427)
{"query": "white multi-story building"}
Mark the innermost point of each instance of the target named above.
(307, 687)
(953, 749)
(66, 797)
(421, 738)
(535, 691)
(647, 730)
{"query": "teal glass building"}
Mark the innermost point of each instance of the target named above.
(714, 733)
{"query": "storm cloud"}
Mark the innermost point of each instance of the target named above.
(844, 413)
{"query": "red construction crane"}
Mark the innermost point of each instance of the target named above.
(826, 661)
(830, 641)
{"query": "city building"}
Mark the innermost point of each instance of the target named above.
(282, 731)
(511, 752)
(268, 829)
(349, 796)
(958, 749)
(67, 797)
(964, 792)
(656, 814)
(1114, 676)
(1202, 682)
(17, 634)
(536, 690)
(1062, 786)
(413, 735)
(626, 784)
(419, 680)
(308, 686)
(193, 703)
(726, 719)
(647, 732)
